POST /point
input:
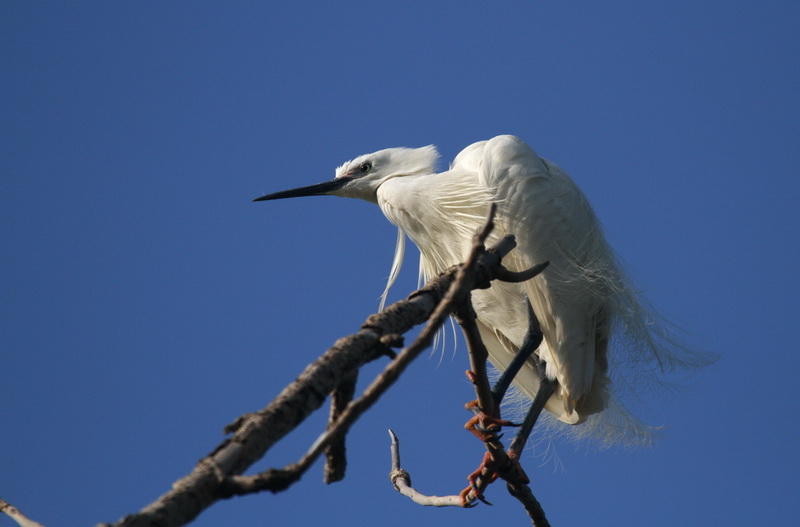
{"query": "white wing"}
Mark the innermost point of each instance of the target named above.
(545, 210)
(579, 298)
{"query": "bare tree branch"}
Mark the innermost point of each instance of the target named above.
(498, 461)
(218, 475)
(16, 515)
(487, 421)
(457, 293)
(335, 453)
(402, 482)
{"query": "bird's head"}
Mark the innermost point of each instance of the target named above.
(361, 177)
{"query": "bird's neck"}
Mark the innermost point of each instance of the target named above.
(439, 212)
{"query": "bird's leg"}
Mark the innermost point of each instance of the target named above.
(533, 338)
(486, 472)
(546, 389)
(485, 427)
(484, 424)
(477, 483)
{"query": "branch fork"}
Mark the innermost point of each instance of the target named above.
(220, 474)
(487, 422)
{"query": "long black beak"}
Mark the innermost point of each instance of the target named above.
(320, 189)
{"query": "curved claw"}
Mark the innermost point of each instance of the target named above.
(465, 502)
(487, 429)
(484, 426)
(478, 494)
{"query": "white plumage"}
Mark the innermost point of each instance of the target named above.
(583, 300)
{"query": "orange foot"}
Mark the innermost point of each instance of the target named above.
(476, 487)
(483, 425)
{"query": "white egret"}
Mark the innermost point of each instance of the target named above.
(590, 315)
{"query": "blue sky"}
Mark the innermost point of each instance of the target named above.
(146, 302)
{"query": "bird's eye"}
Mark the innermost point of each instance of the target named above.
(365, 167)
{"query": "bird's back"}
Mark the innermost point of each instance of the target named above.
(579, 298)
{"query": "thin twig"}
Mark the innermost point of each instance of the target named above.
(478, 357)
(217, 476)
(455, 294)
(255, 433)
(16, 515)
(500, 463)
(402, 482)
(532, 506)
(497, 462)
